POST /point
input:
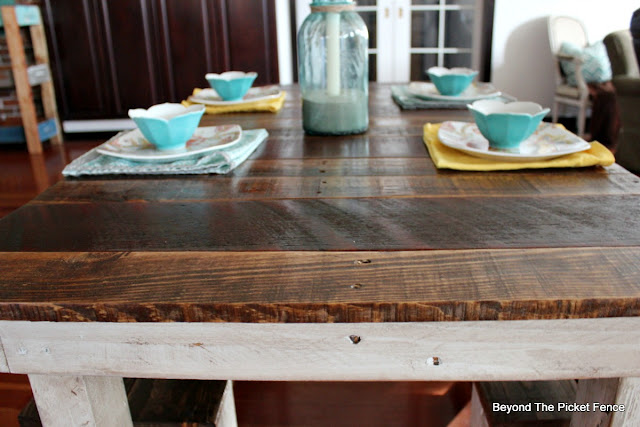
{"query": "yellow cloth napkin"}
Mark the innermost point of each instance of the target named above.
(272, 105)
(449, 158)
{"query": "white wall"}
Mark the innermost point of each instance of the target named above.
(521, 62)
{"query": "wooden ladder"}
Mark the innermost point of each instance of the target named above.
(25, 77)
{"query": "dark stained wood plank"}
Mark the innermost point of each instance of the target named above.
(350, 147)
(325, 179)
(326, 224)
(421, 166)
(321, 286)
(291, 123)
(399, 166)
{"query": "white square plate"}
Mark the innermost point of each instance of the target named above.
(547, 142)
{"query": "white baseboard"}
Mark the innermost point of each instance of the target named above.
(80, 126)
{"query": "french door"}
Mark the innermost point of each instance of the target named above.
(406, 37)
(409, 36)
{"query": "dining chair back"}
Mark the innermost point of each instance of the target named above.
(568, 29)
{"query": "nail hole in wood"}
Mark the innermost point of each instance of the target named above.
(434, 361)
(356, 286)
(322, 171)
(362, 261)
(355, 339)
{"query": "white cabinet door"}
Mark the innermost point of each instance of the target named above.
(393, 40)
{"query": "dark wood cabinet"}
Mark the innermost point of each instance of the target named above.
(111, 55)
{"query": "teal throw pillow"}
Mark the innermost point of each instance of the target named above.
(596, 67)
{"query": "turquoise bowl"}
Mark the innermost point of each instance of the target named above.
(451, 81)
(506, 125)
(232, 85)
(168, 126)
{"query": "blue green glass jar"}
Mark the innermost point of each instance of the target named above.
(333, 69)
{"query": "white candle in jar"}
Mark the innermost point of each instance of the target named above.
(333, 53)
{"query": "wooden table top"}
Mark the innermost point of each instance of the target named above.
(328, 229)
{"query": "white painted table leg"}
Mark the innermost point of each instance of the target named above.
(67, 401)
(628, 395)
(603, 391)
(4, 366)
(478, 416)
(226, 416)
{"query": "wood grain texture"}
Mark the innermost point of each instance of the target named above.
(628, 392)
(602, 391)
(299, 287)
(326, 224)
(41, 54)
(325, 179)
(467, 351)
(278, 240)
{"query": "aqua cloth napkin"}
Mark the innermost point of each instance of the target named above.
(218, 162)
(407, 101)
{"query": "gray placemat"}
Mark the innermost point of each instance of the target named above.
(406, 101)
(220, 161)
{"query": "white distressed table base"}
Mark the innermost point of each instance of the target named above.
(465, 351)
(629, 396)
(432, 351)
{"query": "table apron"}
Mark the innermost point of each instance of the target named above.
(458, 351)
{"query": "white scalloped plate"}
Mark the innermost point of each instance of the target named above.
(474, 92)
(133, 146)
(547, 142)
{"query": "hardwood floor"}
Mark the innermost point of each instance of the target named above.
(258, 403)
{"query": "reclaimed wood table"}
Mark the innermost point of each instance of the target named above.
(323, 258)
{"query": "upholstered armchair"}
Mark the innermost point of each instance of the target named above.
(626, 79)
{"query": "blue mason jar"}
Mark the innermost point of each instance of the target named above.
(333, 69)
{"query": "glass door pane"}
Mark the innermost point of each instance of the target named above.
(424, 28)
(458, 28)
(441, 34)
(420, 63)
